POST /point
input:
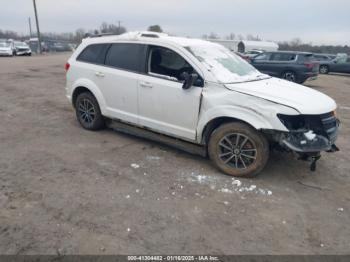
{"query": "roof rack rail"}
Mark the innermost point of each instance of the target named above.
(103, 34)
(150, 35)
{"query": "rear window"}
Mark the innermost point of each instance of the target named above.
(95, 54)
(283, 57)
(127, 56)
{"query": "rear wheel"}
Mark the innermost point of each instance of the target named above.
(88, 112)
(290, 76)
(324, 69)
(238, 150)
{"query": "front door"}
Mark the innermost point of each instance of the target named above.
(163, 105)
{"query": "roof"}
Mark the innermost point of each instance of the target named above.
(292, 52)
(149, 37)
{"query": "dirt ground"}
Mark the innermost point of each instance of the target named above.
(64, 190)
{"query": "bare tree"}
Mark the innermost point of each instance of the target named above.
(112, 29)
(213, 35)
(155, 28)
(231, 36)
(253, 38)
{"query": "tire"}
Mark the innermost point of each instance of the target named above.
(245, 159)
(290, 76)
(324, 69)
(88, 112)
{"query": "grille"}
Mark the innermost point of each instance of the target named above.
(330, 125)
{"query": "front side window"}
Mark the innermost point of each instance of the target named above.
(165, 62)
(126, 56)
(94, 54)
(263, 57)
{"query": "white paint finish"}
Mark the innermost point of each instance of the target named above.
(219, 101)
(164, 106)
(119, 88)
(302, 98)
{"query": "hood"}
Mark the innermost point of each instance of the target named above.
(7, 48)
(299, 97)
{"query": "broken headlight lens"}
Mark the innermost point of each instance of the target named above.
(292, 122)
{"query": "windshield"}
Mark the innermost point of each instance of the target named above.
(4, 44)
(20, 44)
(225, 65)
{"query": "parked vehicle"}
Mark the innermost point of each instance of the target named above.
(251, 54)
(292, 66)
(6, 48)
(335, 64)
(198, 96)
(22, 48)
(340, 66)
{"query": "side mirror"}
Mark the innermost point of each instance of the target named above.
(190, 79)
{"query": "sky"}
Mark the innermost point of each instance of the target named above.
(314, 21)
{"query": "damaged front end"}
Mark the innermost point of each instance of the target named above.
(308, 135)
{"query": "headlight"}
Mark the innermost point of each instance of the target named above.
(292, 122)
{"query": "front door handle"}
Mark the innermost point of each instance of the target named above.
(146, 84)
(99, 74)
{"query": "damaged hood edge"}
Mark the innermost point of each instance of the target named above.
(303, 99)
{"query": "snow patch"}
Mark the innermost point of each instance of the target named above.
(136, 166)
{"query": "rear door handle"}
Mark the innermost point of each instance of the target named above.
(146, 84)
(99, 74)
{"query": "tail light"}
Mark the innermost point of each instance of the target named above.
(309, 65)
(66, 66)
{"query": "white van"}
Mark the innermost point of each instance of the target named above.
(198, 96)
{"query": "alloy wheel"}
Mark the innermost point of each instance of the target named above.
(237, 151)
(87, 112)
(290, 76)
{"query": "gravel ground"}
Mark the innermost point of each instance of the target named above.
(64, 190)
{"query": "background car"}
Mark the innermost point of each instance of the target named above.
(340, 66)
(6, 48)
(22, 48)
(292, 66)
(324, 60)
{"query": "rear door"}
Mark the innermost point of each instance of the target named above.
(164, 105)
(281, 62)
(119, 77)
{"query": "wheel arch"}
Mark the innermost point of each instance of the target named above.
(215, 123)
(88, 86)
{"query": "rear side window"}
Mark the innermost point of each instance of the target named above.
(94, 54)
(305, 57)
(283, 57)
(127, 56)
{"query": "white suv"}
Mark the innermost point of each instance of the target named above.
(199, 96)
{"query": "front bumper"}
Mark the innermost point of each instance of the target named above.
(309, 142)
(28, 52)
(6, 53)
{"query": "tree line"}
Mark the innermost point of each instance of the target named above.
(110, 28)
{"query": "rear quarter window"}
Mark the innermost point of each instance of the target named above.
(306, 57)
(127, 56)
(94, 53)
(285, 57)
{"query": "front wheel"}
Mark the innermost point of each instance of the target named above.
(88, 112)
(238, 150)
